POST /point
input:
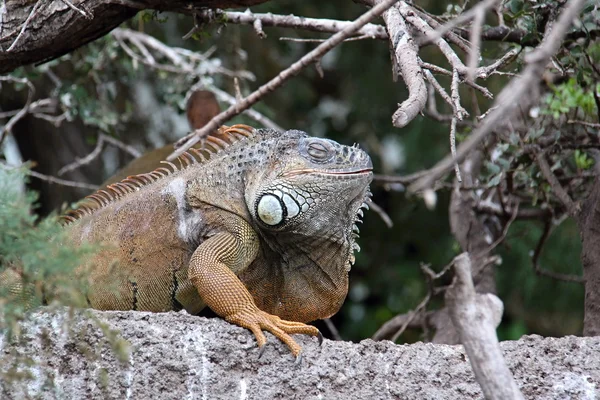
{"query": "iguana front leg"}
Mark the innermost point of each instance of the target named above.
(211, 270)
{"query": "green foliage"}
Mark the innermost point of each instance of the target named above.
(35, 265)
(37, 268)
(582, 160)
(568, 96)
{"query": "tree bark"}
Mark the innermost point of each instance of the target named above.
(34, 32)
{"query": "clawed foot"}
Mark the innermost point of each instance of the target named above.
(257, 320)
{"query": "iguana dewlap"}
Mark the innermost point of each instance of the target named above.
(259, 226)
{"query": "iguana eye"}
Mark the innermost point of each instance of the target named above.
(318, 151)
(270, 210)
(279, 205)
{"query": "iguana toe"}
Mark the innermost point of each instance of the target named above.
(257, 320)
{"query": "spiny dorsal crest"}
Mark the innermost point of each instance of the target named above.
(206, 148)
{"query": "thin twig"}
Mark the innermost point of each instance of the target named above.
(475, 38)
(458, 114)
(488, 207)
(403, 179)
(193, 138)
(125, 147)
(52, 179)
(181, 61)
(23, 111)
(443, 71)
(334, 331)
(501, 238)
(305, 40)
(439, 88)
(80, 162)
(560, 192)
(538, 252)
(79, 10)
(255, 115)
(584, 123)
(411, 316)
(453, 148)
(24, 27)
(400, 323)
(382, 214)
(480, 7)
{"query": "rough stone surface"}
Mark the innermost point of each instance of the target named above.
(179, 356)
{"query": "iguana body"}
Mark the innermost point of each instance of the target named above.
(259, 228)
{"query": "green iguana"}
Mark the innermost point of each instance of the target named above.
(259, 225)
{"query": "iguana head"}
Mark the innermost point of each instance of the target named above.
(305, 204)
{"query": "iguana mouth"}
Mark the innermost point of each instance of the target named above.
(321, 172)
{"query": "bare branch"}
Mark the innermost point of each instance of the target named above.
(80, 162)
(23, 111)
(535, 259)
(510, 96)
(24, 27)
(405, 179)
(181, 61)
(373, 31)
(255, 115)
(79, 10)
(474, 52)
(400, 323)
(52, 179)
(476, 317)
(527, 213)
(478, 8)
(382, 214)
(334, 331)
(280, 79)
(557, 188)
(440, 89)
(125, 147)
(443, 71)
(412, 315)
(584, 123)
(486, 71)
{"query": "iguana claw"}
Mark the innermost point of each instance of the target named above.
(261, 351)
(320, 336)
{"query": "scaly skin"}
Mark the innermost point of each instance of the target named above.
(262, 233)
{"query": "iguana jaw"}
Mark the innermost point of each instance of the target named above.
(321, 172)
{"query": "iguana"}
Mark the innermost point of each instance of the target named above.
(258, 224)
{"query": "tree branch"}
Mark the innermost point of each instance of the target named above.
(372, 31)
(314, 55)
(476, 317)
(36, 35)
